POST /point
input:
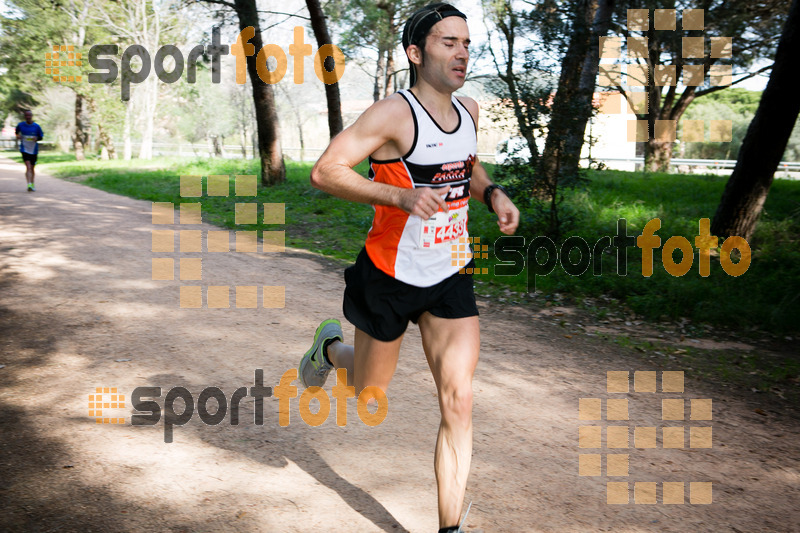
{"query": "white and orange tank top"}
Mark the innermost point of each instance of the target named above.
(416, 251)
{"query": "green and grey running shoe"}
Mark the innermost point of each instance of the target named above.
(314, 368)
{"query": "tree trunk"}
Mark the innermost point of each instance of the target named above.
(320, 28)
(563, 118)
(658, 155)
(106, 141)
(273, 170)
(218, 152)
(149, 88)
(79, 135)
(765, 141)
(243, 117)
(379, 71)
(508, 30)
(388, 87)
(302, 141)
(105, 138)
(573, 142)
(127, 149)
(108, 150)
(149, 97)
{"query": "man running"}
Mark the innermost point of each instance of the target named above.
(421, 145)
(29, 134)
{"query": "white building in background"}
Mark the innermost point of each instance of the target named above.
(609, 131)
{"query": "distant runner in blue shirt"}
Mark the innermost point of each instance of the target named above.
(29, 134)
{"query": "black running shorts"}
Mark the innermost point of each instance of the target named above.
(381, 306)
(29, 157)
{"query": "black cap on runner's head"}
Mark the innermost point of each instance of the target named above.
(420, 23)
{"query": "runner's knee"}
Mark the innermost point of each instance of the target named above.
(456, 403)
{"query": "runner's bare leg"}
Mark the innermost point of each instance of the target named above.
(369, 362)
(341, 356)
(28, 172)
(452, 347)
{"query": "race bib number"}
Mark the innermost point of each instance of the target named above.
(29, 143)
(443, 227)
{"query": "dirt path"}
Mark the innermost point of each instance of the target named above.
(79, 310)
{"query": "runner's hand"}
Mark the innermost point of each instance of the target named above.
(507, 212)
(424, 202)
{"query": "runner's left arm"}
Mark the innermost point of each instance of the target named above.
(507, 212)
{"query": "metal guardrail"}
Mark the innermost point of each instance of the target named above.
(10, 143)
(708, 163)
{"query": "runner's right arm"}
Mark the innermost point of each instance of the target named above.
(385, 122)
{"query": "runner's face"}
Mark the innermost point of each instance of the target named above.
(447, 54)
(28, 117)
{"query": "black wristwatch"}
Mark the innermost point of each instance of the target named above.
(487, 195)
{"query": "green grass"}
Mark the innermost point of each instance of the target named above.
(314, 220)
(752, 371)
(766, 296)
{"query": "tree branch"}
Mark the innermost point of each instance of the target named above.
(719, 88)
(288, 15)
(218, 2)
